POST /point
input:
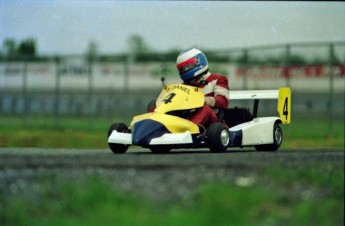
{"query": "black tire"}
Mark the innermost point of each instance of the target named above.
(218, 137)
(277, 140)
(118, 148)
(160, 149)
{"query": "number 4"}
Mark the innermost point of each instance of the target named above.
(169, 98)
(284, 104)
(286, 108)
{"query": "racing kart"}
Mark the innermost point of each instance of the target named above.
(167, 128)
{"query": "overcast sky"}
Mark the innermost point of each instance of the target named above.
(65, 27)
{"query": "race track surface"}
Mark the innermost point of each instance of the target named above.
(155, 176)
(143, 158)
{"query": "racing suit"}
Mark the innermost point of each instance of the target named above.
(216, 92)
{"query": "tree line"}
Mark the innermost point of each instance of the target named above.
(139, 51)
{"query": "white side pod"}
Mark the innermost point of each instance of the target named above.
(120, 138)
(256, 132)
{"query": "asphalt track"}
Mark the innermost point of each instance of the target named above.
(172, 176)
(143, 158)
(17, 158)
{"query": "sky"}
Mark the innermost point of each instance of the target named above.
(66, 27)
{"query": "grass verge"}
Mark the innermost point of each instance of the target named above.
(290, 197)
(83, 133)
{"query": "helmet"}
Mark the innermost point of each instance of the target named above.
(191, 63)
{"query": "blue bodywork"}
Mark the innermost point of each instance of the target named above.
(236, 138)
(144, 131)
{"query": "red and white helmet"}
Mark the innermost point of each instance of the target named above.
(191, 63)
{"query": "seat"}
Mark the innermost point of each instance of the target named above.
(235, 116)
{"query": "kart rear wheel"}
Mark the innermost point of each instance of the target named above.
(160, 149)
(277, 140)
(118, 148)
(218, 137)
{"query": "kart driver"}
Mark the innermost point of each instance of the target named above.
(193, 68)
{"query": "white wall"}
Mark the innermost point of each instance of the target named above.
(112, 76)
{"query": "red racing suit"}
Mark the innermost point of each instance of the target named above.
(216, 96)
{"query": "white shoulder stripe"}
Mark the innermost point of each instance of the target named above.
(218, 90)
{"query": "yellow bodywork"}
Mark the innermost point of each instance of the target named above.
(284, 105)
(179, 97)
(172, 123)
(175, 97)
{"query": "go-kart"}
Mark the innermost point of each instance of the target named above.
(167, 127)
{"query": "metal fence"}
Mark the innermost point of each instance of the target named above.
(80, 86)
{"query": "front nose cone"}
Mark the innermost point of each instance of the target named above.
(144, 131)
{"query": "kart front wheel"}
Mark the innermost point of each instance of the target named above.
(277, 140)
(118, 148)
(218, 137)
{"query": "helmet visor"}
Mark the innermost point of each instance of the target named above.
(187, 65)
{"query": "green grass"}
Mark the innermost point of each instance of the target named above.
(49, 132)
(314, 133)
(94, 202)
(86, 133)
